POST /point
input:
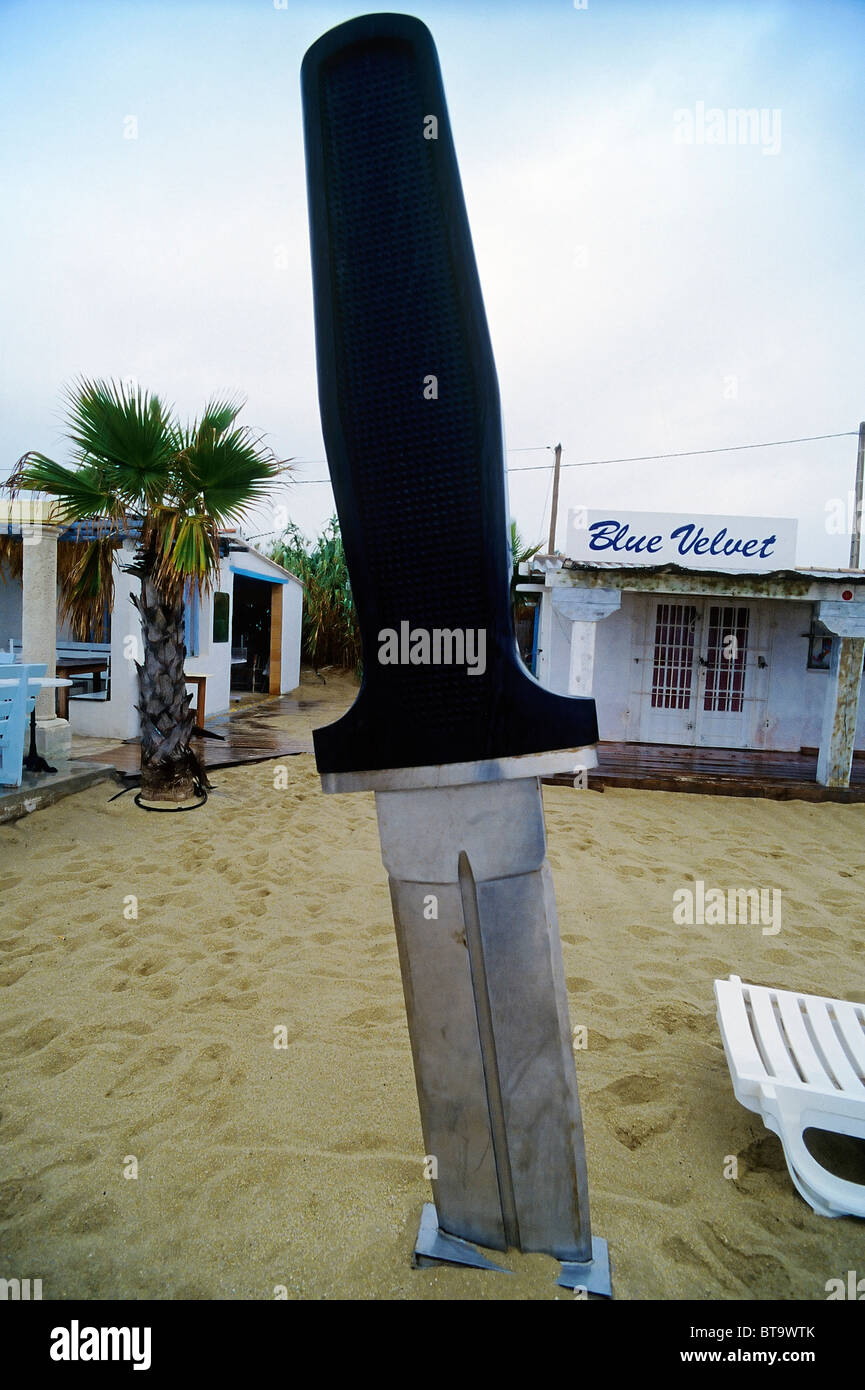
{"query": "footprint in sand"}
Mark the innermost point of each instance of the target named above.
(228, 869)
(144, 1073)
(150, 967)
(255, 908)
(40, 1035)
(653, 979)
(758, 1270)
(161, 989)
(577, 985)
(605, 999)
(9, 977)
(641, 1042)
(676, 1017)
(18, 1196)
(650, 1097)
(635, 1090)
(646, 933)
(685, 1255)
(376, 1013)
(112, 930)
(208, 1069)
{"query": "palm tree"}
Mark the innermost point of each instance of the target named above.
(136, 468)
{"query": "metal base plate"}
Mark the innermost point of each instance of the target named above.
(594, 1276)
(434, 1246)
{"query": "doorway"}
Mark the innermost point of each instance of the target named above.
(250, 635)
(697, 663)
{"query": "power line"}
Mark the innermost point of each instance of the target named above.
(633, 458)
(689, 453)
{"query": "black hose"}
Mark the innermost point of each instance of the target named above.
(170, 809)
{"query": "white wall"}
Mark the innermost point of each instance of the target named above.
(794, 695)
(554, 648)
(614, 678)
(292, 616)
(292, 612)
(117, 716)
(214, 658)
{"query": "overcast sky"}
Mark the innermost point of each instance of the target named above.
(649, 289)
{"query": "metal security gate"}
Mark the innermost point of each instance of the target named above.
(696, 665)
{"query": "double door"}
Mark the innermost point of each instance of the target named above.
(698, 664)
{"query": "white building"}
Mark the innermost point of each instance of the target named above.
(245, 632)
(701, 631)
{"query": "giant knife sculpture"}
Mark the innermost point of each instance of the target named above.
(449, 730)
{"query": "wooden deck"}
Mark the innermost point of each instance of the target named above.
(278, 727)
(249, 735)
(716, 771)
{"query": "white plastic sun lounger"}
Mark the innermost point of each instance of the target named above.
(799, 1061)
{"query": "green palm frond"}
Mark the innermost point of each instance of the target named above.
(220, 415)
(124, 431)
(81, 492)
(186, 550)
(222, 474)
(131, 458)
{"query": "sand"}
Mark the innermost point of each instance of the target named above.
(300, 1168)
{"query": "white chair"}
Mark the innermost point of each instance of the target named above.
(798, 1060)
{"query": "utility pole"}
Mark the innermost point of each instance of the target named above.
(552, 545)
(856, 529)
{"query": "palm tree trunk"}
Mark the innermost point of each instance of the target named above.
(170, 770)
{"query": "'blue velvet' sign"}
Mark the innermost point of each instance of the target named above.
(696, 542)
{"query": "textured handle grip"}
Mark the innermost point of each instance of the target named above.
(411, 418)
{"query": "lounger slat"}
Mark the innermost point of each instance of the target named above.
(738, 1031)
(771, 1041)
(806, 1055)
(828, 1041)
(815, 1045)
(854, 1037)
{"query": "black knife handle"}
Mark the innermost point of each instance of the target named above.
(411, 416)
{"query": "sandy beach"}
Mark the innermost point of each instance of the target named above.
(148, 1040)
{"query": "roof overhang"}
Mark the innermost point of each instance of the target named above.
(804, 586)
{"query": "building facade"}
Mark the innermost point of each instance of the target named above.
(245, 631)
(716, 654)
